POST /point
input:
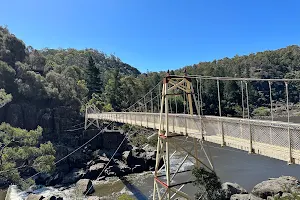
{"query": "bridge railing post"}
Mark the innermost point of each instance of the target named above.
(147, 120)
(221, 132)
(288, 121)
(249, 123)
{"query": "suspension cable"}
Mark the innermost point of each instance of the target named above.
(117, 149)
(65, 157)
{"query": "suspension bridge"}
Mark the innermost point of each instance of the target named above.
(160, 110)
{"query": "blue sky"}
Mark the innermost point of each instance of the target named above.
(156, 35)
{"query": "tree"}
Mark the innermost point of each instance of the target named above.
(21, 151)
(112, 90)
(4, 98)
(12, 50)
(37, 61)
(93, 77)
(209, 185)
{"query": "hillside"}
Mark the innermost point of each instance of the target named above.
(49, 86)
(281, 63)
(43, 93)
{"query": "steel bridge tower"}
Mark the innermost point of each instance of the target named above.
(163, 188)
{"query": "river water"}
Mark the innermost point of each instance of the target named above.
(230, 165)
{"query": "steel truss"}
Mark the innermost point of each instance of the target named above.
(163, 187)
(91, 121)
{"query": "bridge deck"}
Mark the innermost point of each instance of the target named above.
(273, 139)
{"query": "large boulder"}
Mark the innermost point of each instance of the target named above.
(32, 188)
(94, 170)
(55, 179)
(42, 178)
(35, 197)
(52, 197)
(139, 157)
(244, 197)
(76, 160)
(124, 169)
(137, 169)
(113, 170)
(127, 157)
(85, 187)
(274, 186)
(101, 159)
(73, 176)
(231, 189)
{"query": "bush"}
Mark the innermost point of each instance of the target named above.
(210, 187)
(138, 140)
(293, 197)
(261, 111)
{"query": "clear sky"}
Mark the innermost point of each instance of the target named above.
(156, 34)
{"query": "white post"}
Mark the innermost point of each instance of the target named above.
(220, 114)
(271, 110)
(250, 131)
(288, 116)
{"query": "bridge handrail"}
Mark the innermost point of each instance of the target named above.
(218, 118)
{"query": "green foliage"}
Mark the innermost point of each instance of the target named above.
(19, 146)
(138, 140)
(93, 77)
(125, 197)
(112, 90)
(261, 111)
(281, 63)
(209, 185)
(4, 98)
(294, 196)
(11, 48)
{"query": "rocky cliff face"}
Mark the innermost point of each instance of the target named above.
(94, 161)
(28, 115)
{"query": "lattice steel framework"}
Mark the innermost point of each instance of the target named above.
(91, 109)
(163, 187)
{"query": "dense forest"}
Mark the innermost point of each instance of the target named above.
(44, 92)
(281, 63)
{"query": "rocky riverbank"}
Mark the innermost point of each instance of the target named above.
(98, 165)
(285, 188)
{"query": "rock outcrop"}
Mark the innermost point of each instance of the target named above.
(231, 189)
(271, 187)
(73, 176)
(35, 197)
(85, 187)
(244, 197)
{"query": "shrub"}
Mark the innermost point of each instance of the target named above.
(138, 140)
(210, 187)
(261, 111)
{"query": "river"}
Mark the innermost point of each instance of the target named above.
(230, 165)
